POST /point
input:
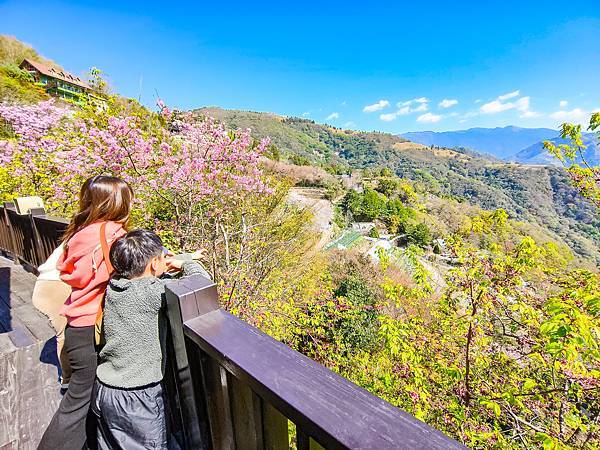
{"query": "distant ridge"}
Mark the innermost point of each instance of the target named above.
(501, 142)
(537, 154)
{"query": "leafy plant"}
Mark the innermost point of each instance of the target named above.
(585, 177)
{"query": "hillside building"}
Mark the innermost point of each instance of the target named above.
(59, 83)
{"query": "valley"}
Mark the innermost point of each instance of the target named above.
(536, 194)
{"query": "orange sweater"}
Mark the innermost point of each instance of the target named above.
(82, 267)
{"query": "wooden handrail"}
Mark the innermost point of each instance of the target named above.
(234, 363)
(29, 238)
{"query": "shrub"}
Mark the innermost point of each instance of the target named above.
(374, 233)
(357, 328)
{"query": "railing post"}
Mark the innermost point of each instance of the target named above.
(189, 298)
(10, 206)
(38, 250)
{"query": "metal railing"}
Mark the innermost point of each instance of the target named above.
(230, 386)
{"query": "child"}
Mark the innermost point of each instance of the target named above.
(128, 396)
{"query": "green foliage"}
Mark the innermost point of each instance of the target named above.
(14, 71)
(357, 327)
(418, 235)
(387, 186)
(396, 207)
(273, 152)
(374, 233)
(336, 168)
(97, 82)
(339, 217)
(585, 177)
(16, 86)
(299, 160)
(333, 189)
(366, 206)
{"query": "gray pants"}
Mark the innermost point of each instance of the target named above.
(130, 419)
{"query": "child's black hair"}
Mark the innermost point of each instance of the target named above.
(131, 254)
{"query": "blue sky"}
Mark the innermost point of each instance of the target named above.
(389, 66)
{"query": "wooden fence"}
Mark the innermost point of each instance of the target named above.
(230, 386)
(29, 238)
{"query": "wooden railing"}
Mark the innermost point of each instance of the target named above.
(29, 238)
(230, 386)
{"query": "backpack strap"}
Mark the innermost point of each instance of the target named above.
(98, 330)
(105, 248)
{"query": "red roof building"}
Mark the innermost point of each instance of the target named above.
(57, 82)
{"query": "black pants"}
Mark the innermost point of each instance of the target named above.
(130, 419)
(67, 429)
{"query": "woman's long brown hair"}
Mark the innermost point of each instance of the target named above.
(102, 198)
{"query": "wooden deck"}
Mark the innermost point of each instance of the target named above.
(29, 389)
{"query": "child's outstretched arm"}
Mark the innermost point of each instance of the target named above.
(194, 268)
(188, 267)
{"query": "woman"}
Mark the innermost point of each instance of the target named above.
(102, 200)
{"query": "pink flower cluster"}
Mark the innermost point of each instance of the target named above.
(30, 124)
(180, 158)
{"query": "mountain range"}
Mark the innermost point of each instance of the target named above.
(501, 142)
(537, 154)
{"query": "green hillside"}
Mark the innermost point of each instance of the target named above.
(537, 194)
(16, 85)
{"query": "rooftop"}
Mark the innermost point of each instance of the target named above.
(57, 73)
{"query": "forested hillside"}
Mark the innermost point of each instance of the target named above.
(541, 195)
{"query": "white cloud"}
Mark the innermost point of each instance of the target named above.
(343, 103)
(349, 124)
(447, 103)
(470, 114)
(388, 117)
(499, 105)
(404, 108)
(305, 114)
(414, 100)
(429, 118)
(574, 115)
(333, 116)
(376, 106)
(563, 103)
(496, 106)
(529, 114)
(523, 106)
(478, 100)
(509, 95)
